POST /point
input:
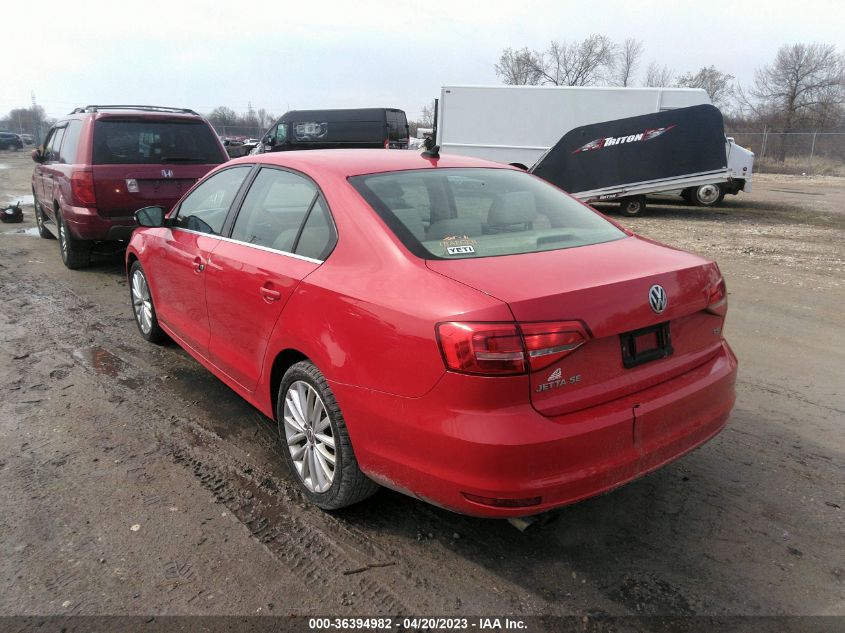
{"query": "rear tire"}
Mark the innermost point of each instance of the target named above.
(315, 441)
(709, 195)
(632, 207)
(75, 253)
(40, 221)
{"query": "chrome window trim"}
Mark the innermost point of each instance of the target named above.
(257, 246)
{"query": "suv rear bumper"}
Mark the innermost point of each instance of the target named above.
(470, 435)
(86, 224)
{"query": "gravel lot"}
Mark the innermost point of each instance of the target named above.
(134, 482)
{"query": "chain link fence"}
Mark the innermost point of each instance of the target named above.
(810, 153)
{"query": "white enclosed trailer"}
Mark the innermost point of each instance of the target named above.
(518, 124)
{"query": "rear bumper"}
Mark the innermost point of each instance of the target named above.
(473, 435)
(87, 224)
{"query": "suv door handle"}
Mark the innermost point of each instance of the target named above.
(198, 265)
(269, 294)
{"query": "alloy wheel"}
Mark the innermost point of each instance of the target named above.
(142, 302)
(309, 436)
(63, 239)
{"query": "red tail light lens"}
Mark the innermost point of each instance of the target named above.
(718, 302)
(82, 188)
(547, 343)
(482, 348)
(497, 349)
(387, 144)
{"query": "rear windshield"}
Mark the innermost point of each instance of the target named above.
(150, 141)
(467, 213)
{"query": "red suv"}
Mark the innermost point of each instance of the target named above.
(101, 163)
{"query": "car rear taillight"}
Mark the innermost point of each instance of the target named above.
(547, 343)
(387, 144)
(497, 349)
(82, 188)
(717, 303)
(482, 348)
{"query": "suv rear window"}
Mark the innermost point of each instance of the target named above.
(466, 213)
(120, 142)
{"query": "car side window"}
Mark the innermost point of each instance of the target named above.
(274, 209)
(317, 237)
(67, 154)
(55, 144)
(206, 207)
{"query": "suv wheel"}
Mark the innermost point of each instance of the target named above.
(40, 221)
(75, 253)
(316, 443)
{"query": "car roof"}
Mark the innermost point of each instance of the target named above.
(355, 162)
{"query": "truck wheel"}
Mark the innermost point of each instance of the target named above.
(632, 206)
(709, 195)
(75, 253)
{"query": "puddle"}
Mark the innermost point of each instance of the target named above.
(103, 362)
(33, 230)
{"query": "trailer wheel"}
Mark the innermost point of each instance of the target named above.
(632, 206)
(709, 195)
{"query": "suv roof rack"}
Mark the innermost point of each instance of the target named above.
(147, 108)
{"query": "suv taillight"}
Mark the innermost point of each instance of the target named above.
(82, 188)
(718, 302)
(387, 144)
(500, 349)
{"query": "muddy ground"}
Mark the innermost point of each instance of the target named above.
(134, 482)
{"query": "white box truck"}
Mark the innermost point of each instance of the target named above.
(519, 124)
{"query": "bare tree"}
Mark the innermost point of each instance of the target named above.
(657, 76)
(427, 116)
(716, 83)
(223, 116)
(583, 63)
(518, 68)
(804, 85)
(627, 61)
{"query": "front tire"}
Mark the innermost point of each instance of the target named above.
(316, 443)
(142, 305)
(75, 253)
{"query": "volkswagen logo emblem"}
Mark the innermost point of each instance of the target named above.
(657, 298)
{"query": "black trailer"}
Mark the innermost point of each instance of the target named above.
(626, 159)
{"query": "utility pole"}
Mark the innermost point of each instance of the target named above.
(36, 121)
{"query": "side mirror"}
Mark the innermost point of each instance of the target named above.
(152, 217)
(37, 156)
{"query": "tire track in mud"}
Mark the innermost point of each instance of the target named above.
(328, 557)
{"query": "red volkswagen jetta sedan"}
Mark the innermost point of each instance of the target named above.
(452, 328)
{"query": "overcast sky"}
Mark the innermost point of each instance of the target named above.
(282, 55)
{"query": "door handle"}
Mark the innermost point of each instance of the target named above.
(269, 294)
(199, 266)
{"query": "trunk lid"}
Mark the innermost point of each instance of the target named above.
(606, 287)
